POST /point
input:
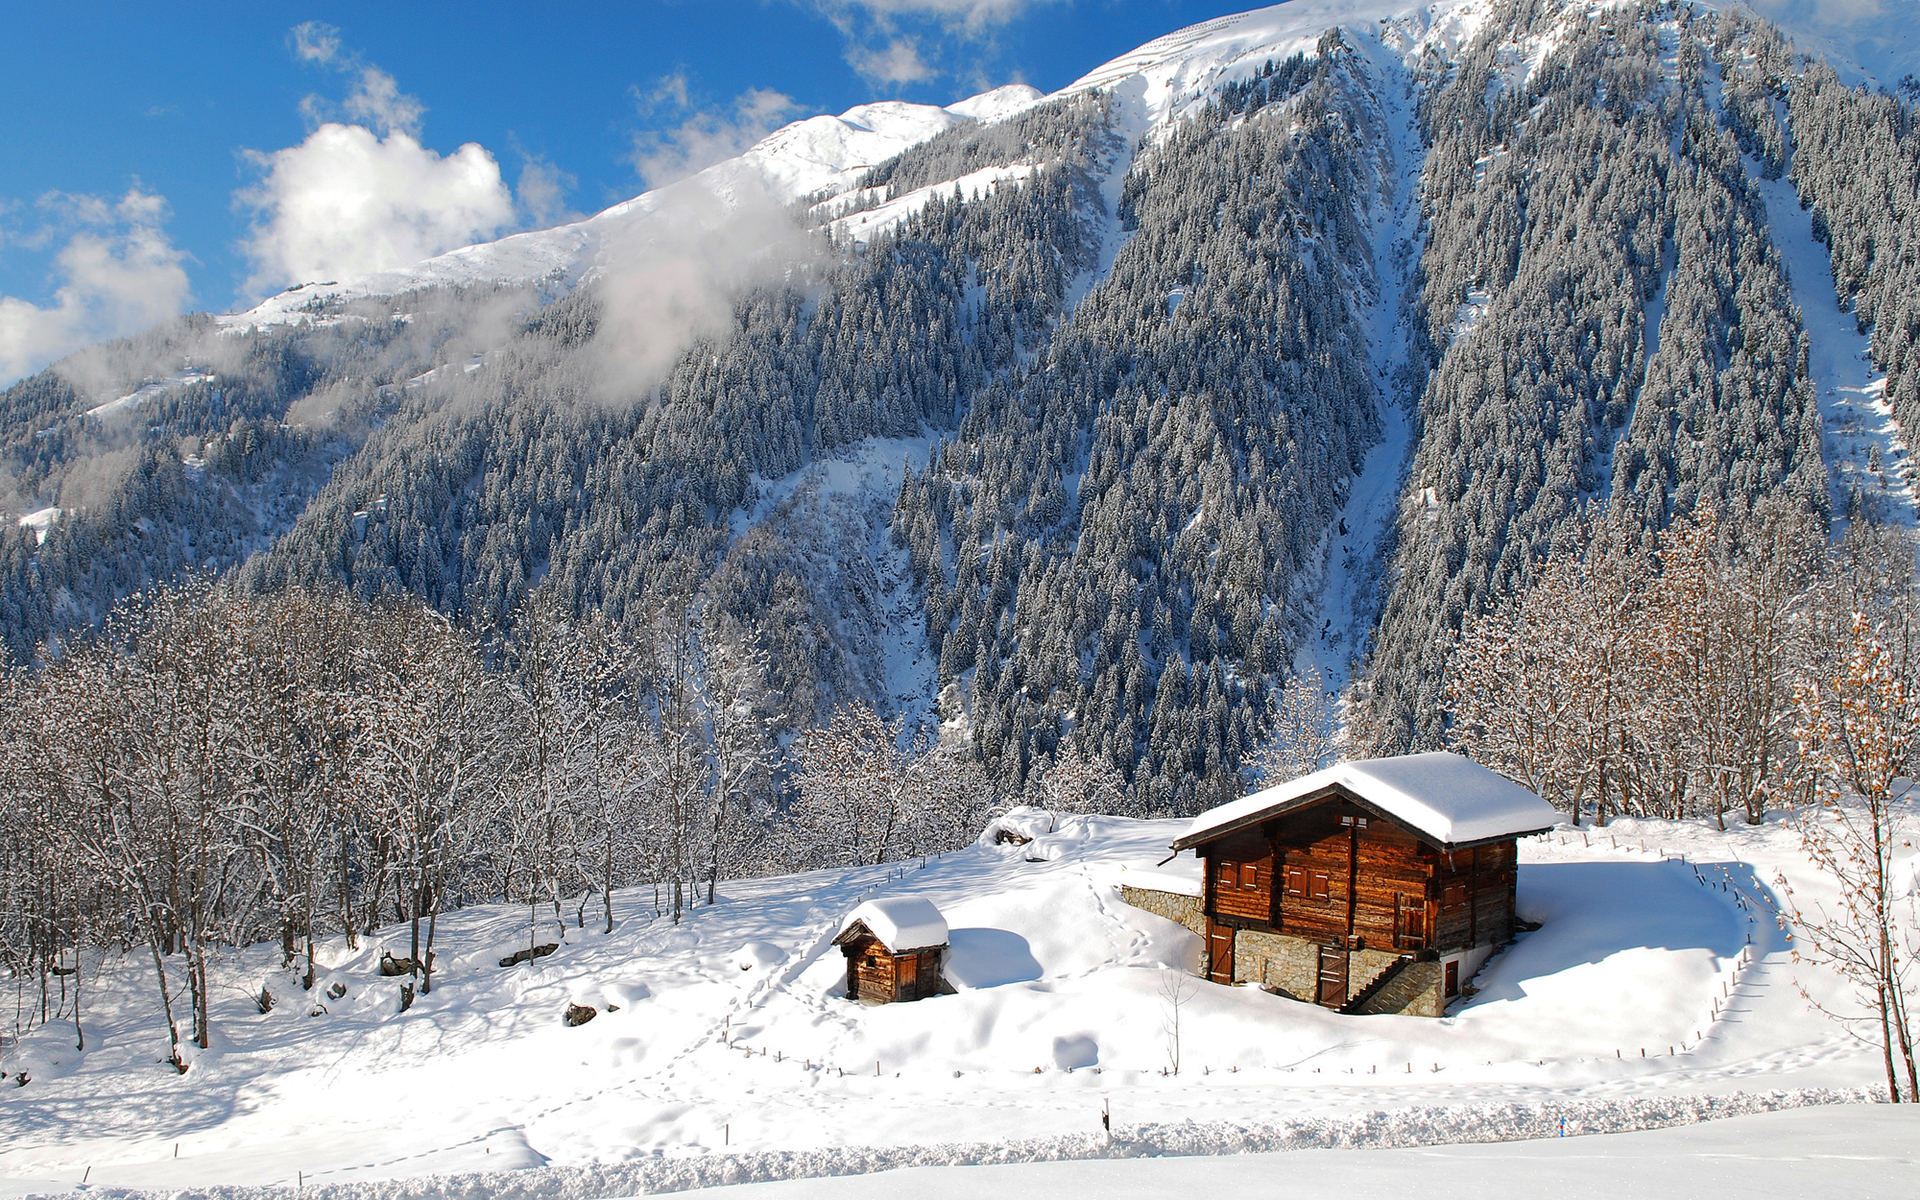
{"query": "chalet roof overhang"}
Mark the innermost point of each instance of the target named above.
(1253, 821)
(857, 931)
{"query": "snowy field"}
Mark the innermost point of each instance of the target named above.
(1861, 1153)
(1657, 991)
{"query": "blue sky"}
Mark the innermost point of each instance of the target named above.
(161, 157)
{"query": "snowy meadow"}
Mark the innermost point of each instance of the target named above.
(1658, 990)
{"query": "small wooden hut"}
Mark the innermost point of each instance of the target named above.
(1374, 886)
(894, 948)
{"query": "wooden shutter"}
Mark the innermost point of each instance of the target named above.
(1250, 875)
(1296, 881)
(1321, 890)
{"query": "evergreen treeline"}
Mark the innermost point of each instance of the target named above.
(1856, 163)
(1613, 328)
(1111, 545)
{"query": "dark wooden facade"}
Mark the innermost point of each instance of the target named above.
(1341, 874)
(879, 976)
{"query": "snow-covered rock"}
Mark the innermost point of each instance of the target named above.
(758, 956)
(1018, 825)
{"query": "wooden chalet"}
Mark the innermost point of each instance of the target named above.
(894, 948)
(1375, 886)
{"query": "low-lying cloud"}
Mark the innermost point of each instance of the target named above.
(118, 273)
(673, 279)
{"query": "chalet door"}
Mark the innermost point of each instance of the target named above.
(1333, 977)
(906, 979)
(1220, 953)
(1410, 922)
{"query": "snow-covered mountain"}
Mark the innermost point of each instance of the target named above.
(828, 154)
(818, 154)
(1282, 341)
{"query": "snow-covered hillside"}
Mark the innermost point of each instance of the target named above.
(818, 154)
(1652, 976)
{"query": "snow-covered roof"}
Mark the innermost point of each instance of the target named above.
(1450, 799)
(901, 923)
(1181, 876)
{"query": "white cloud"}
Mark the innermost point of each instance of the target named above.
(542, 191)
(885, 55)
(362, 194)
(316, 42)
(703, 138)
(378, 100)
(896, 62)
(346, 203)
(118, 274)
(971, 14)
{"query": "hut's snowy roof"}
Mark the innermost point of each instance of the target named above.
(900, 922)
(1452, 800)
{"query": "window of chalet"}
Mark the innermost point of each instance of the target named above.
(1310, 885)
(1243, 875)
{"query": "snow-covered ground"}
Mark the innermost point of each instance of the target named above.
(40, 521)
(1810, 1152)
(148, 391)
(864, 226)
(1639, 1002)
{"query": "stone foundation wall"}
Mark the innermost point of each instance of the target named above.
(1289, 965)
(1364, 966)
(1182, 910)
(1425, 983)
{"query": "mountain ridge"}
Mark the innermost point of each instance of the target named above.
(1093, 423)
